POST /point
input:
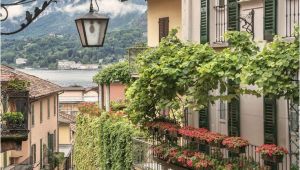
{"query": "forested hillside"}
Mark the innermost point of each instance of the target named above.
(45, 51)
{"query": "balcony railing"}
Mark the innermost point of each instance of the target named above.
(221, 23)
(12, 134)
(144, 157)
(292, 16)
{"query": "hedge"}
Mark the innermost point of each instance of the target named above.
(103, 142)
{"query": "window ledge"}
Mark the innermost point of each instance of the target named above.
(219, 44)
(243, 1)
(289, 39)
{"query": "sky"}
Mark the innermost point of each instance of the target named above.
(112, 7)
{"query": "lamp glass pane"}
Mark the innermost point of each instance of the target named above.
(94, 31)
(81, 32)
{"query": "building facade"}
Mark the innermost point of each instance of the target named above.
(41, 120)
(259, 120)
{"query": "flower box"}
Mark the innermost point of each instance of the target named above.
(272, 158)
(238, 150)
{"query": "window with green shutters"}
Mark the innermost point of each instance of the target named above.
(204, 118)
(270, 122)
(270, 19)
(233, 15)
(204, 22)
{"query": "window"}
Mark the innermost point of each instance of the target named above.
(227, 18)
(163, 27)
(55, 109)
(292, 16)
(222, 110)
(32, 114)
(48, 107)
(33, 153)
(41, 111)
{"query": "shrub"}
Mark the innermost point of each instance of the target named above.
(13, 117)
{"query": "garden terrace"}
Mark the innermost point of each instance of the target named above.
(197, 148)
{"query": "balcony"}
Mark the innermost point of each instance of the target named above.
(147, 157)
(14, 126)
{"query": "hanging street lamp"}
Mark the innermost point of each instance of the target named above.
(92, 28)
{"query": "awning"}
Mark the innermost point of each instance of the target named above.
(66, 149)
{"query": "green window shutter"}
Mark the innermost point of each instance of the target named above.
(32, 113)
(233, 15)
(41, 111)
(41, 153)
(270, 19)
(204, 118)
(54, 140)
(234, 117)
(34, 153)
(48, 107)
(54, 105)
(270, 123)
(5, 159)
(204, 22)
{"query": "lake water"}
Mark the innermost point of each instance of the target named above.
(65, 78)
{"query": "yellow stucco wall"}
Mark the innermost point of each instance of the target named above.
(159, 9)
(64, 134)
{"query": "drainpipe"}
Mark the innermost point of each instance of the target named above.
(107, 98)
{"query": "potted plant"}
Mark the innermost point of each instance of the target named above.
(17, 85)
(12, 119)
(214, 139)
(271, 152)
(235, 144)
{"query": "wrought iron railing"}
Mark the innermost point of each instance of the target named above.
(145, 159)
(221, 22)
(292, 16)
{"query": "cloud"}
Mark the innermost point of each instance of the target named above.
(112, 7)
(14, 12)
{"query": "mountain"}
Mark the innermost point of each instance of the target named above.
(54, 35)
(59, 17)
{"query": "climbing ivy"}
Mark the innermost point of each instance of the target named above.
(176, 75)
(274, 70)
(115, 72)
(104, 142)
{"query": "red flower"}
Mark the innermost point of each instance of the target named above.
(235, 142)
(189, 163)
(271, 149)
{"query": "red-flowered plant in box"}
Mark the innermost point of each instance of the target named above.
(271, 149)
(203, 163)
(235, 142)
(214, 139)
(163, 126)
(192, 132)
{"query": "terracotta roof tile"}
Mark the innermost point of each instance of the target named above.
(38, 87)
